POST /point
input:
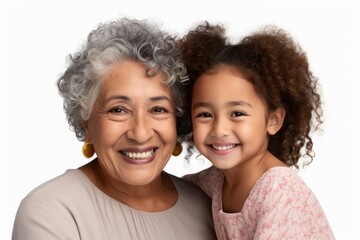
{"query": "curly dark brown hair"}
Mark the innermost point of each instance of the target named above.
(279, 70)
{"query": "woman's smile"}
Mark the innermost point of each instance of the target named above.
(133, 132)
(138, 156)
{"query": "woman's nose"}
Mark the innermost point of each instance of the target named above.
(140, 129)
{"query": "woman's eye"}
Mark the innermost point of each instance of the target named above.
(116, 110)
(118, 114)
(159, 113)
(159, 110)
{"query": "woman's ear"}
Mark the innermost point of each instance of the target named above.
(275, 121)
(87, 131)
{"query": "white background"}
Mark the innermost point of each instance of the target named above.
(36, 143)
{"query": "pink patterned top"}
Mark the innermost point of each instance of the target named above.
(279, 206)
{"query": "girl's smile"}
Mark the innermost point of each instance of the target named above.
(229, 119)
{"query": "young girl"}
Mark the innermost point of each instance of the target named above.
(252, 105)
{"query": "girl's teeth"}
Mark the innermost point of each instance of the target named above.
(223, 148)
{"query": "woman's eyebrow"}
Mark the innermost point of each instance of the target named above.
(127, 99)
(159, 98)
(117, 97)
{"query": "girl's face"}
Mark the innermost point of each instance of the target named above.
(132, 125)
(229, 119)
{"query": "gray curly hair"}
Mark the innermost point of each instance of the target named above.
(109, 44)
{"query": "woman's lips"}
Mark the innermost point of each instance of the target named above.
(139, 156)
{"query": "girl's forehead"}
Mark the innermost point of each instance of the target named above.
(223, 82)
(225, 86)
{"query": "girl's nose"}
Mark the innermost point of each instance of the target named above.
(220, 128)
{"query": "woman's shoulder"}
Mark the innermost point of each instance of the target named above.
(185, 187)
(191, 194)
(205, 175)
(59, 194)
(49, 204)
(68, 182)
(207, 179)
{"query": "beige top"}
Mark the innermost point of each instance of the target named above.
(70, 206)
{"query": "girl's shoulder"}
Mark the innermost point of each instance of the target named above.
(280, 183)
(281, 199)
(283, 178)
(280, 173)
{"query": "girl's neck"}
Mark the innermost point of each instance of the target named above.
(239, 181)
(252, 169)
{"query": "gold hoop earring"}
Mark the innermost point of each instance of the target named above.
(177, 150)
(88, 150)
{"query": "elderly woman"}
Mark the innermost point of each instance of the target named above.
(121, 97)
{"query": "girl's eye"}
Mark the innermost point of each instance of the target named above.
(237, 114)
(203, 115)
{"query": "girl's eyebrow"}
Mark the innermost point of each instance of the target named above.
(231, 104)
(201, 104)
(238, 103)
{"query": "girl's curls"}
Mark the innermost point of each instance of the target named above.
(279, 70)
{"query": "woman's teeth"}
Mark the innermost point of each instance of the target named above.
(139, 155)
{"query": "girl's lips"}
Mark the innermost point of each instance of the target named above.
(222, 149)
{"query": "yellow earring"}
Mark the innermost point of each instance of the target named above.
(177, 150)
(88, 150)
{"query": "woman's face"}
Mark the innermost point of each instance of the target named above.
(132, 124)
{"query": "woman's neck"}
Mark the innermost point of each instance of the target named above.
(156, 196)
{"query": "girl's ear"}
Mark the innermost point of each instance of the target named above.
(275, 121)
